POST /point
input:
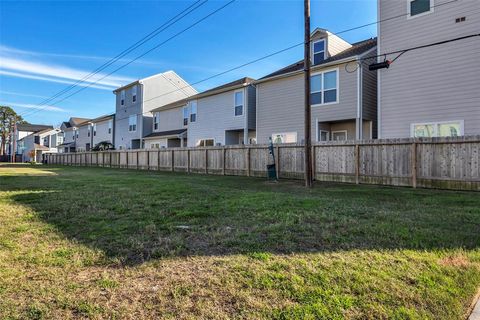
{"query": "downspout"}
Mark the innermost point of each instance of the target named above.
(359, 120)
(245, 130)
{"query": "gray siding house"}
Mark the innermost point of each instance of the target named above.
(433, 91)
(91, 132)
(225, 115)
(169, 128)
(70, 134)
(343, 94)
(135, 101)
(34, 145)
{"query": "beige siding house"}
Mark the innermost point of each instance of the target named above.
(343, 94)
(433, 91)
(135, 101)
(224, 115)
(34, 145)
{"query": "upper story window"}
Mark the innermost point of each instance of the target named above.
(318, 51)
(110, 125)
(186, 114)
(193, 111)
(156, 120)
(132, 123)
(324, 88)
(88, 132)
(94, 129)
(419, 7)
(238, 101)
(122, 97)
(134, 93)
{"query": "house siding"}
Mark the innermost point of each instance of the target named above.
(440, 83)
(369, 97)
(83, 138)
(102, 132)
(215, 115)
(171, 119)
(281, 104)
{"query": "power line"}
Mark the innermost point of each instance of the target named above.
(131, 48)
(329, 65)
(143, 54)
(242, 65)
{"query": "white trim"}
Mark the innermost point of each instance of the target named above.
(359, 120)
(379, 86)
(318, 136)
(409, 16)
(189, 104)
(340, 131)
(435, 124)
(242, 91)
(312, 53)
(133, 116)
(323, 83)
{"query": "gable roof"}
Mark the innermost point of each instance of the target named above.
(28, 127)
(74, 121)
(98, 119)
(166, 133)
(356, 49)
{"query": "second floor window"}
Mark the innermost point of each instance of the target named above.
(238, 103)
(134, 93)
(122, 97)
(88, 133)
(186, 114)
(318, 51)
(155, 120)
(324, 88)
(416, 7)
(94, 129)
(193, 111)
(132, 123)
(110, 124)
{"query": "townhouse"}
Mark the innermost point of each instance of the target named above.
(91, 132)
(434, 90)
(23, 130)
(32, 146)
(135, 101)
(70, 134)
(343, 94)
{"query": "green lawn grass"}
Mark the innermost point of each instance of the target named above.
(113, 244)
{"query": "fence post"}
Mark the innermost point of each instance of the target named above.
(357, 164)
(110, 158)
(248, 161)
(148, 160)
(188, 160)
(158, 160)
(136, 153)
(277, 160)
(314, 161)
(224, 159)
(414, 164)
(126, 158)
(173, 161)
(206, 161)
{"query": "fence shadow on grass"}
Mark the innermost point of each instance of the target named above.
(135, 216)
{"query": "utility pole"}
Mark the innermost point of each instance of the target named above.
(308, 126)
(13, 152)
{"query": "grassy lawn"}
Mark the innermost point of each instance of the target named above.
(109, 243)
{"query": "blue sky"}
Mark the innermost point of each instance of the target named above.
(47, 45)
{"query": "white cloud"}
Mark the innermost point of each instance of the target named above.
(29, 76)
(32, 106)
(13, 93)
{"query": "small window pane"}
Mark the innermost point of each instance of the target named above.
(449, 130)
(318, 46)
(419, 6)
(330, 79)
(238, 98)
(424, 130)
(337, 136)
(316, 98)
(330, 96)
(209, 143)
(316, 83)
(323, 135)
(193, 117)
(238, 110)
(318, 58)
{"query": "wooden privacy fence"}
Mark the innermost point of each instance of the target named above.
(448, 163)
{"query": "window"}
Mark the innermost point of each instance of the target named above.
(193, 111)
(186, 114)
(318, 51)
(205, 143)
(437, 129)
(324, 88)
(339, 135)
(122, 97)
(94, 129)
(323, 135)
(88, 132)
(155, 120)
(286, 137)
(110, 124)
(238, 101)
(419, 7)
(134, 93)
(132, 123)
